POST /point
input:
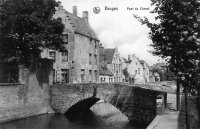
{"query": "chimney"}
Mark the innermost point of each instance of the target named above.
(75, 10)
(129, 57)
(85, 15)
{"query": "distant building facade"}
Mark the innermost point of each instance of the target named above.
(135, 70)
(112, 59)
(79, 63)
(146, 70)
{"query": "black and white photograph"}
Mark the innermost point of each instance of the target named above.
(99, 64)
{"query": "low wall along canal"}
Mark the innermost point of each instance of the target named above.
(23, 100)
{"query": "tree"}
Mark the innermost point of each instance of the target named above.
(26, 28)
(176, 37)
(126, 74)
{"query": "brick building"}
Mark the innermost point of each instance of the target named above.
(135, 70)
(79, 64)
(146, 70)
(112, 59)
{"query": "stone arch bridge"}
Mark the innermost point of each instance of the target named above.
(136, 102)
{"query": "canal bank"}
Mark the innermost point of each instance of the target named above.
(172, 119)
(24, 100)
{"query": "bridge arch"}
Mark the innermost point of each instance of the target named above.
(85, 97)
(94, 99)
(75, 101)
(137, 103)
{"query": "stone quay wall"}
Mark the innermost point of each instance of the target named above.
(23, 100)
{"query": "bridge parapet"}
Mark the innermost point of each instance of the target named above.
(137, 103)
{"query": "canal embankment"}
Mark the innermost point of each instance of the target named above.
(172, 119)
(23, 100)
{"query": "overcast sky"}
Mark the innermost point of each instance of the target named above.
(118, 28)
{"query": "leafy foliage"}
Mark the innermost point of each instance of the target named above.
(177, 38)
(177, 35)
(165, 75)
(26, 28)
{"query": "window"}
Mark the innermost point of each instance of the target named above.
(96, 75)
(65, 75)
(65, 56)
(96, 44)
(138, 70)
(82, 75)
(52, 55)
(114, 68)
(90, 42)
(72, 74)
(90, 75)
(65, 39)
(135, 71)
(90, 59)
(101, 79)
(53, 76)
(95, 59)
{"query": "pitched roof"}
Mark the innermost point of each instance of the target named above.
(103, 70)
(80, 26)
(144, 62)
(106, 55)
(126, 61)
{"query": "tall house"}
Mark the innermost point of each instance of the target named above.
(79, 64)
(112, 59)
(135, 70)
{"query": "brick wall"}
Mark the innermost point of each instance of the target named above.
(23, 100)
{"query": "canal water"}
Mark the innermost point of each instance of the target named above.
(101, 116)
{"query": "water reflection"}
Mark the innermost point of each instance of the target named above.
(101, 116)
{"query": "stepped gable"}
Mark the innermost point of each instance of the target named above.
(81, 26)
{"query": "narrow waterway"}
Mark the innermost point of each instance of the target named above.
(101, 116)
